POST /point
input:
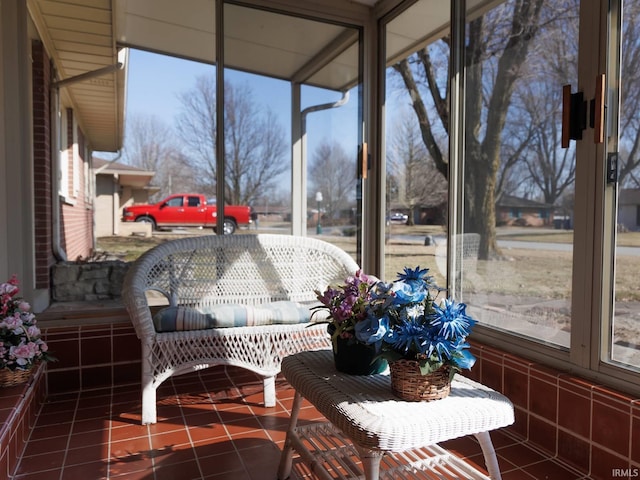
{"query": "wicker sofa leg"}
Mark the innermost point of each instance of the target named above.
(269, 385)
(148, 403)
(149, 414)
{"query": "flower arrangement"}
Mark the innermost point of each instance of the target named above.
(402, 319)
(347, 305)
(20, 343)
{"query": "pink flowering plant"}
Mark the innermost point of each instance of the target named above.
(20, 344)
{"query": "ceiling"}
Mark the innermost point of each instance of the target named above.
(78, 35)
(85, 36)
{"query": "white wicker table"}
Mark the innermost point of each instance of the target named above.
(373, 431)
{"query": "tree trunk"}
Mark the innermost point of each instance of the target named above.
(482, 160)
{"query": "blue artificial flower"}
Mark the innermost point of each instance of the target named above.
(402, 319)
(372, 329)
(464, 359)
(409, 292)
(452, 319)
(418, 275)
(410, 334)
(442, 347)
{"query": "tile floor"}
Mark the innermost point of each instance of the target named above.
(211, 425)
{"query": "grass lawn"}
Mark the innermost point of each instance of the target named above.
(537, 273)
(528, 289)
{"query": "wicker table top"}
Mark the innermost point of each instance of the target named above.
(366, 410)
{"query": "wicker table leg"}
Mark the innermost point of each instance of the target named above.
(286, 458)
(489, 453)
(370, 462)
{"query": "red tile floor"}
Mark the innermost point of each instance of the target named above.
(211, 425)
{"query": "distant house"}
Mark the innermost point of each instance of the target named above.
(117, 185)
(431, 212)
(629, 208)
(511, 210)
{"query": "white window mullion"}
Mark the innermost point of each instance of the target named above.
(76, 159)
(63, 155)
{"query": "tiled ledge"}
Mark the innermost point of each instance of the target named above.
(591, 427)
(19, 407)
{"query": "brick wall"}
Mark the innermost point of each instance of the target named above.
(42, 174)
(76, 210)
(590, 426)
(92, 356)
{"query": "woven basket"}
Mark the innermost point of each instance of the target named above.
(409, 384)
(10, 378)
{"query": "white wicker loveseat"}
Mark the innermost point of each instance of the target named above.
(241, 270)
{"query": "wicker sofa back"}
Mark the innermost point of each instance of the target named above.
(202, 272)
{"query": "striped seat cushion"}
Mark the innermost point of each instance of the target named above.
(173, 319)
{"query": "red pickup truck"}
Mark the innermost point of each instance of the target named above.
(187, 210)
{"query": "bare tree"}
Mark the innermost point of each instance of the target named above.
(551, 169)
(629, 174)
(412, 171)
(333, 173)
(255, 146)
(151, 144)
(497, 46)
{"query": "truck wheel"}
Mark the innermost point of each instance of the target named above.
(147, 220)
(229, 227)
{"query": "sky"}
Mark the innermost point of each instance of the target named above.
(155, 83)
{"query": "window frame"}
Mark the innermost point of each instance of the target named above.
(594, 222)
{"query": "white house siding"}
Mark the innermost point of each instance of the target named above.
(104, 216)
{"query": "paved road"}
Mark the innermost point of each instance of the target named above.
(507, 244)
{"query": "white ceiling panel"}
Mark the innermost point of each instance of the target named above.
(84, 35)
(78, 35)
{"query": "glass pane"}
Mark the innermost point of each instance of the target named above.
(625, 340)
(258, 149)
(333, 180)
(514, 255)
(417, 138)
(257, 120)
(270, 139)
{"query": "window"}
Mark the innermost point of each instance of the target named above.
(623, 335)
(175, 202)
(63, 154)
(416, 171)
(542, 290)
(76, 160)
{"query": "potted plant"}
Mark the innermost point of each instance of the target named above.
(21, 347)
(423, 340)
(347, 306)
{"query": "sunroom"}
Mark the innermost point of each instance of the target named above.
(428, 111)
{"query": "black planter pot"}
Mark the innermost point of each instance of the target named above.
(356, 358)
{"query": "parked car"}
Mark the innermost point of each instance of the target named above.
(187, 210)
(398, 217)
